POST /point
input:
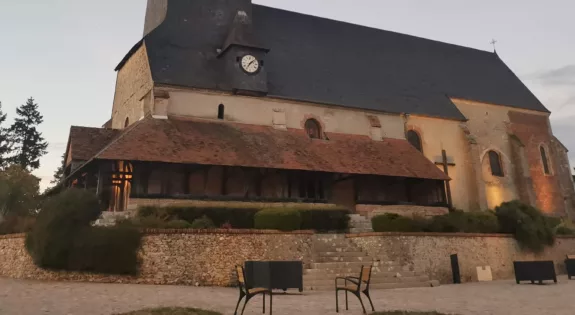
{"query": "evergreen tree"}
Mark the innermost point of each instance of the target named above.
(5, 147)
(59, 173)
(28, 141)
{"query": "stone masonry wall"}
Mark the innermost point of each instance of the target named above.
(206, 259)
(430, 253)
(133, 85)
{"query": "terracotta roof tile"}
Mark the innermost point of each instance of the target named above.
(233, 144)
(85, 142)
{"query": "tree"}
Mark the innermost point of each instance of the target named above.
(5, 147)
(18, 192)
(28, 141)
(59, 173)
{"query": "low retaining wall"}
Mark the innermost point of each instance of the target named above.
(430, 253)
(174, 257)
(404, 210)
(207, 258)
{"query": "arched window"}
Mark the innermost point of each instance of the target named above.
(221, 111)
(127, 122)
(313, 129)
(544, 160)
(415, 140)
(495, 163)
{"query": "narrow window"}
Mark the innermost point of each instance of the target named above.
(127, 122)
(313, 129)
(221, 111)
(415, 140)
(544, 160)
(495, 163)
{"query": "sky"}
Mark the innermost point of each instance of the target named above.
(63, 52)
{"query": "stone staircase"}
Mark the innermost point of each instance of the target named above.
(336, 256)
(359, 224)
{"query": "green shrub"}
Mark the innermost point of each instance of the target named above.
(564, 230)
(324, 219)
(529, 226)
(391, 222)
(237, 217)
(465, 222)
(178, 224)
(319, 219)
(105, 250)
(278, 219)
(63, 239)
(203, 223)
(13, 224)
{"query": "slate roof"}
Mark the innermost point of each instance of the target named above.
(85, 142)
(209, 142)
(325, 61)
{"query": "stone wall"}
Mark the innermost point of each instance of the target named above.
(176, 257)
(133, 85)
(430, 253)
(404, 210)
(534, 132)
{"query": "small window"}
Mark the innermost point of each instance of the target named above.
(415, 140)
(495, 163)
(313, 129)
(544, 160)
(221, 110)
(127, 122)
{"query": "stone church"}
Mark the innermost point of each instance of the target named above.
(228, 101)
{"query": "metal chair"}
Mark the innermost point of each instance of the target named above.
(358, 285)
(248, 293)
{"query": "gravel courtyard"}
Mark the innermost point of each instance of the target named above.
(500, 297)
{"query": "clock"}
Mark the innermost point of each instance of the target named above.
(250, 64)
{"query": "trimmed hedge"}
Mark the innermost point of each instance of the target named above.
(392, 222)
(319, 219)
(240, 218)
(531, 228)
(465, 222)
(278, 219)
(63, 238)
(202, 223)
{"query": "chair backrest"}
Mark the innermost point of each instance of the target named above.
(365, 276)
(241, 277)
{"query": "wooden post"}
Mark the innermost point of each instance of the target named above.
(447, 186)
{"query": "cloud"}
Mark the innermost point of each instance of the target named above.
(554, 77)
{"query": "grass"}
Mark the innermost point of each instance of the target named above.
(172, 311)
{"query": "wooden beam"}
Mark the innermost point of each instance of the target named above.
(447, 185)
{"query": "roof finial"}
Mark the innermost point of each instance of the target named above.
(493, 42)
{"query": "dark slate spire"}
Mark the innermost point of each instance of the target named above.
(241, 33)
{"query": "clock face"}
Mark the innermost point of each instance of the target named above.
(250, 64)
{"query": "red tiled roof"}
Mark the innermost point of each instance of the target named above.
(85, 142)
(233, 144)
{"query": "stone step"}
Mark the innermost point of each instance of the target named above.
(324, 259)
(345, 272)
(341, 254)
(341, 264)
(374, 280)
(377, 286)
